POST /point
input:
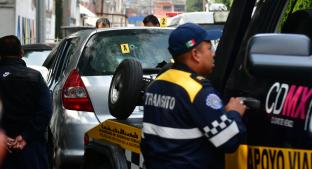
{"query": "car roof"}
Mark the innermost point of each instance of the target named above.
(88, 32)
(195, 17)
(38, 46)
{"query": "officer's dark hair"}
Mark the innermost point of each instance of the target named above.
(151, 18)
(105, 21)
(10, 46)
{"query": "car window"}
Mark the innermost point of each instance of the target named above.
(62, 62)
(105, 50)
(297, 18)
(57, 54)
(35, 57)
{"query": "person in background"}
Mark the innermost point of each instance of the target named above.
(151, 20)
(102, 23)
(185, 123)
(27, 109)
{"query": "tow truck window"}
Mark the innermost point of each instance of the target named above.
(297, 18)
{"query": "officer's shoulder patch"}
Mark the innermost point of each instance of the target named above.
(213, 101)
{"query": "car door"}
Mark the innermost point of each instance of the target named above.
(277, 128)
(57, 73)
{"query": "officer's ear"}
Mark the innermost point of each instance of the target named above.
(194, 55)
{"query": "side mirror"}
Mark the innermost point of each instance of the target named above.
(279, 56)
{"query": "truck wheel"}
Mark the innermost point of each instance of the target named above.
(124, 91)
(94, 160)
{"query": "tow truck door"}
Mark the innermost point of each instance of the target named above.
(278, 135)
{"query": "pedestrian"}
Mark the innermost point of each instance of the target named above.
(151, 20)
(102, 23)
(185, 123)
(27, 109)
(3, 139)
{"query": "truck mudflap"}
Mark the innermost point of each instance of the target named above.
(259, 157)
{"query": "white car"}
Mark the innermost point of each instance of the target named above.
(35, 55)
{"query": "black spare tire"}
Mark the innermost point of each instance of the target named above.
(125, 87)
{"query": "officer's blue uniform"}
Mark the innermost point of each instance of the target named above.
(185, 125)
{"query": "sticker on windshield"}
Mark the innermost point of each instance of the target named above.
(163, 22)
(124, 48)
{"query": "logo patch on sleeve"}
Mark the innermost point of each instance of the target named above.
(213, 101)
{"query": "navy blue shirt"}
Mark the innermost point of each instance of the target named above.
(185, 125)
(27, 104)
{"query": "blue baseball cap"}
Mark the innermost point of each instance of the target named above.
(189, 35)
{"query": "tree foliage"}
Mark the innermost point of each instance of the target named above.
(194, 5)
(294, 6)
(228, 3)
(303, 4)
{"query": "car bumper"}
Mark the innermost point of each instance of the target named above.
(69, 135)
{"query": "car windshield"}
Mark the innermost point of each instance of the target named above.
(105, 50)
(35, 57)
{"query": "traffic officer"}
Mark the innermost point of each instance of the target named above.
(27, 109)
(185, 123)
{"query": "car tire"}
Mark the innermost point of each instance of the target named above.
(95, 160)
(52, 155)
(124, 91)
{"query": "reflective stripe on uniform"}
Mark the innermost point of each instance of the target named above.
(225, 135)
(171, 133)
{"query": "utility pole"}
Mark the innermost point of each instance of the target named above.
(40, 23)
(204, 4)
(102, 3)
(151, 7)
(58, 18)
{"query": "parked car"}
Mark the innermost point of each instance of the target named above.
(208, 20)
(35, 55)
(255, 60)
(68, 30)
(81, 71)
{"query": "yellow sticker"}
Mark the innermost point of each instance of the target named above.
(126, 136)
(124, 48)
(163, 22)
(259, 157)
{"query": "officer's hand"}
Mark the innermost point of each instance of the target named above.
(237, 105)
(21, 143)
(10, 142)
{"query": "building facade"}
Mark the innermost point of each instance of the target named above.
(114, 10)
(32, 21)
(164, 8)
(19, 17)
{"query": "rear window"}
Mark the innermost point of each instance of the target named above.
(35, 57)
(105, 50)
